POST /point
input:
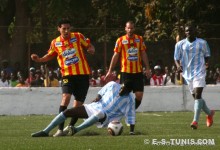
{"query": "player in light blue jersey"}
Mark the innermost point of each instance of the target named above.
(191, 57)
(112, 103)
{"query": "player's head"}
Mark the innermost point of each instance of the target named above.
(64, 27)
(126, 88)
(129, 28)
(63, 21)
(190, 30)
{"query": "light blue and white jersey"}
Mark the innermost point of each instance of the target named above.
(192, 57)
(114, 106)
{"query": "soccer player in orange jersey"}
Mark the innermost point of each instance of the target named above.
(68, 48)
(132, 52)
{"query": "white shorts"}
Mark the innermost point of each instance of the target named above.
(92, 109)
(196, 82)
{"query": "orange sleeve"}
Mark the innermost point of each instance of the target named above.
(52, 49)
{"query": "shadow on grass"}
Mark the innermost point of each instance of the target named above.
(89, 133)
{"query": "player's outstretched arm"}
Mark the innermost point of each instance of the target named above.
(45, 58)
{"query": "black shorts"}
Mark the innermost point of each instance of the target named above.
(76, 85)
(136, 78)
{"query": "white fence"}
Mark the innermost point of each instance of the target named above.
(24, 101)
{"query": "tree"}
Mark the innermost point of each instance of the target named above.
(165, 18)
(6, 17)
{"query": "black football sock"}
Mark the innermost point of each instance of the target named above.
(73, 121)
(61, 109)
(137, 103)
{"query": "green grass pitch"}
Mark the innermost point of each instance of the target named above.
(151, 129)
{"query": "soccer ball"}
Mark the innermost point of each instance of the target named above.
(115, 128)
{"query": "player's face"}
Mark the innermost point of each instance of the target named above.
(129, 28)
(190, 32)
(64, 30)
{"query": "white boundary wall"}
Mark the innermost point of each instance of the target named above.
(24, 101)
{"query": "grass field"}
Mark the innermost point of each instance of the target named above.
(152, 127)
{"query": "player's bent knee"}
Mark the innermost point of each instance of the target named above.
(100, 115)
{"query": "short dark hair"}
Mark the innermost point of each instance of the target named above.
(63, 21)
(190, 24)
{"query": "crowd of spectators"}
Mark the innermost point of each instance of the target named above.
(35, 77)
(48, 77)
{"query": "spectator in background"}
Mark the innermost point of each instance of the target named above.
(157, 79)
(168, 77)
(17, 67)
(210, 78)
(59, 76)
(173, 74)
(159, 62)
(43, 71)
(94, 80)
(21, 82)
(217, 70)
(7, 68)
(31, 76)
(101, 77)
(39, 79)
(51, 81)
(4, 82)
(19, 73)
(13, 79)
(217, 78)
(178, 78)
(217, 75)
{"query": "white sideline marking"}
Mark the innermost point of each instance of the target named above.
(147, 114)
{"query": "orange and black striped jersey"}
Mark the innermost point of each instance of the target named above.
(130, 53)
(70, 55)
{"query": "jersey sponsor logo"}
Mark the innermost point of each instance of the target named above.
(124, 42)
(69, 53)
(116, 44)
(132, 51)
(73, 40)
(72, 60)
(132, 58)
(58, 44)
(137, 40)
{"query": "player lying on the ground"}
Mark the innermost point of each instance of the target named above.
(112, 103)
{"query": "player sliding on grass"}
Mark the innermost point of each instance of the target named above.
(112, 103)
(191, 57)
